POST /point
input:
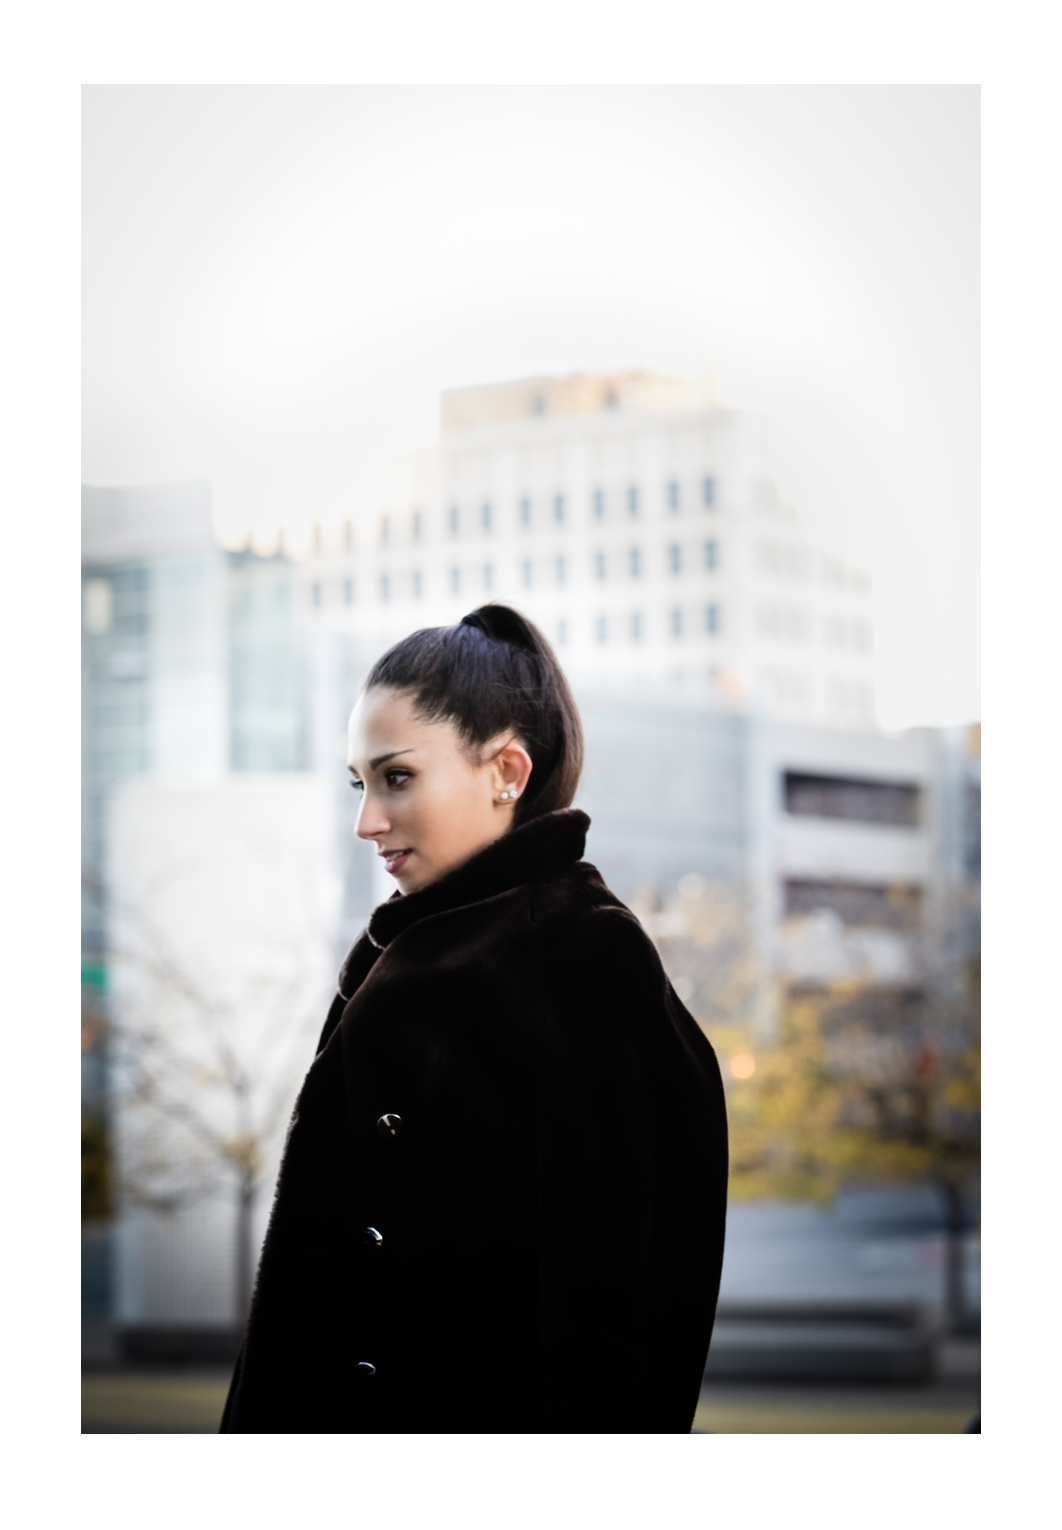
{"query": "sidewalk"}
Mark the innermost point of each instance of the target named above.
(191, 1403)
(746, 1409)
(124, 1402)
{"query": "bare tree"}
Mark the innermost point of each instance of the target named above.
(203, 1082)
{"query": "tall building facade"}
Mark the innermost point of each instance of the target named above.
(191, 682)
(835, 856)
(630, 516)
(190, 659)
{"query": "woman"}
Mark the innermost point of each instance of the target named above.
(502, 1198)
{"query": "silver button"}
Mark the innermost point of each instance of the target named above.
(371, 1238)
(389, 1125)
(363, 1368)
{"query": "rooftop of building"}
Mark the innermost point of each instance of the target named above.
(579, 393)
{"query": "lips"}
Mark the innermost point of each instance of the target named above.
(394, 860)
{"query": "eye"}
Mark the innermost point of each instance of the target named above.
(396, 779)
(355, 784)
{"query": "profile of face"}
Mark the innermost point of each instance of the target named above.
(428, 801)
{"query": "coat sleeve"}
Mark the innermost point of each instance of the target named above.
(632, 1166)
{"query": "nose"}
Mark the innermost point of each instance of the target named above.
(372, 821)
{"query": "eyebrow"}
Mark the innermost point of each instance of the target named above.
(382, 759)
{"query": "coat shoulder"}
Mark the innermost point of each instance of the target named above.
(579, 909)
(594, 946)
(602, 967)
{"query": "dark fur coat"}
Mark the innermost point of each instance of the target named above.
(502, 1199)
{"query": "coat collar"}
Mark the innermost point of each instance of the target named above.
(540, 848)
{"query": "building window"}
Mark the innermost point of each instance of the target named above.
(488, 576)
(525, 512)
(315, 593)
(99, 606)
(673, 495)
(348, 535)
(632, 499)
(455, 581)
(600, 565)
(486, 514)
(676, 621)
(348, 592)
(674, 558)
(711, 555)
(602, 629)
(562, 570)
(634, 562)
(783, 623)
(526, 572)
(316, 537)
(790, 688)
(385, 587)
(846, 634)
(538, 404)
(850, 698)
(417, 584)
(385, 531)
(780, 558)
(868, 905)
(418, 525)
(708, 493)
(857, 800)
(713, 618)
(636, 626)
(558, 508)
(599, 504)
(455, 520)
(611, 398)
(130, 716)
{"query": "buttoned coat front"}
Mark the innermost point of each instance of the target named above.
(501, 1204)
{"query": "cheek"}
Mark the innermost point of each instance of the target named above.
(448, 815)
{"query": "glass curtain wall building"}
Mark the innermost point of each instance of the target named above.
(190, 669)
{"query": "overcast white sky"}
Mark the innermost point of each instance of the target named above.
(279, 280)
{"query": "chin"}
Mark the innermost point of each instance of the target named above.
(411, 881)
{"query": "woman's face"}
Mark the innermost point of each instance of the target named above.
(428, 803)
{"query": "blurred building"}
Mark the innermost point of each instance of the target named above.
(154, 654)
(635, 520)
(846, 855)
(192, 678)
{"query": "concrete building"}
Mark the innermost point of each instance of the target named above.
(846, 856)
(635, 520)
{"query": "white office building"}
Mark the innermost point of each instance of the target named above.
(635, 520)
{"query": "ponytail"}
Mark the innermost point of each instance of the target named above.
(495, 671)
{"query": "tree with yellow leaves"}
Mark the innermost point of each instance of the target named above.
(855, 1086)
(831, 1101)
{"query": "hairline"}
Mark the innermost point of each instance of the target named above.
(426, 714)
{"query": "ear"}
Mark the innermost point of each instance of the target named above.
(510, 770)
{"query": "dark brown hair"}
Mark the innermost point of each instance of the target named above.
(495, 671)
